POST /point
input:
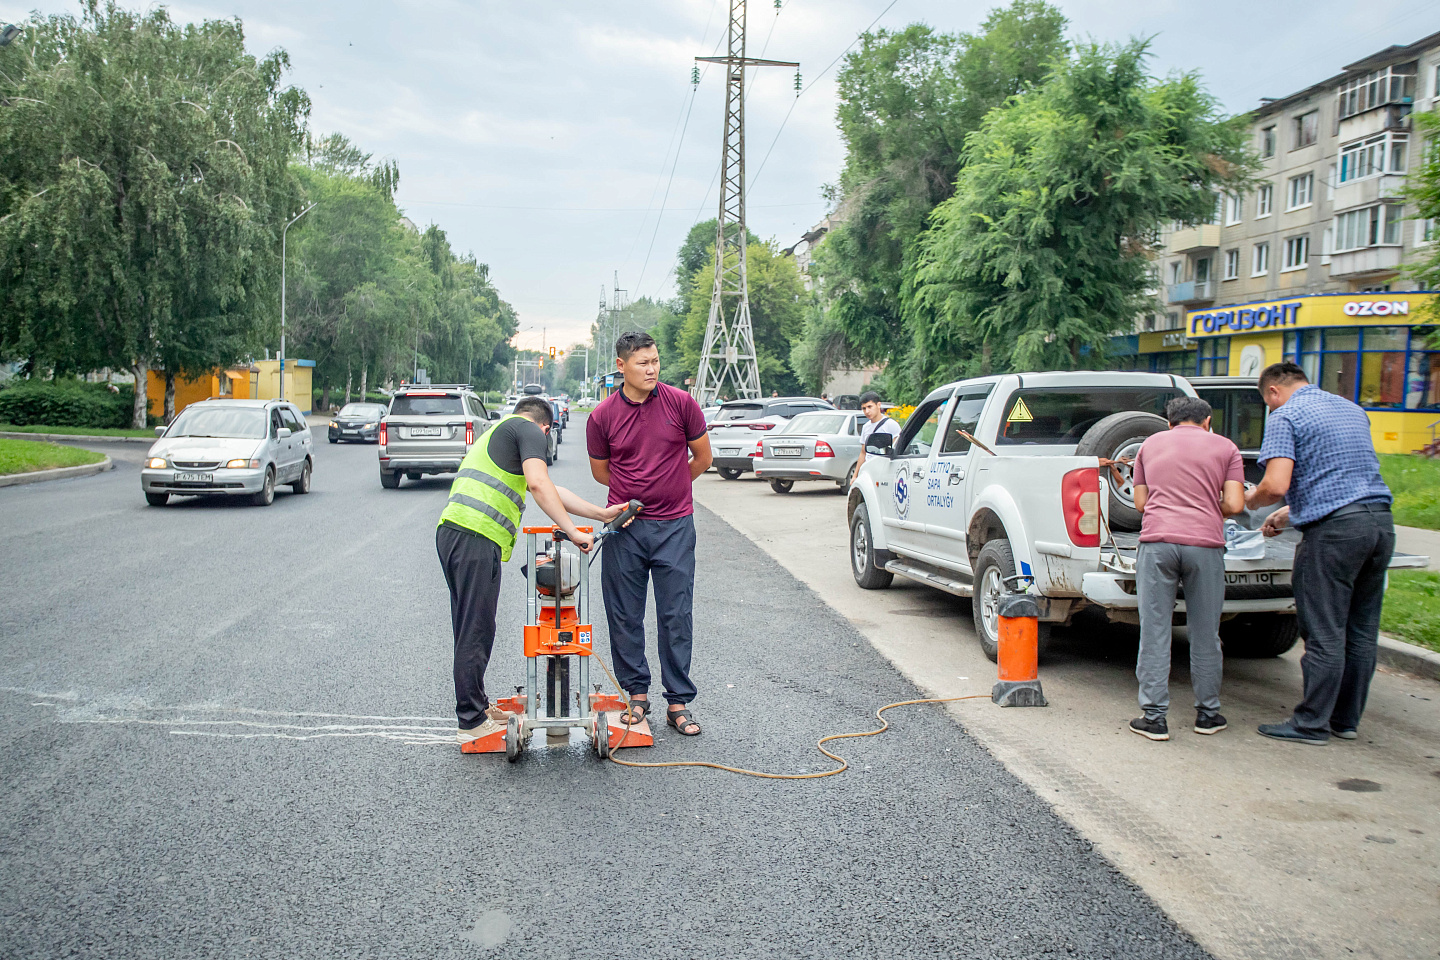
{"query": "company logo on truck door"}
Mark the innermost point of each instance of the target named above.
(902, 491)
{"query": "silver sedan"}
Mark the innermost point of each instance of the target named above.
(813, 446)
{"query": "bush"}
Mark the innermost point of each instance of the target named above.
(65, 403)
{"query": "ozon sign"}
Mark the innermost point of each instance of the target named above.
(1377, 308)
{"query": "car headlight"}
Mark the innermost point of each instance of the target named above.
(242, 464)
(156, 463)
(334, 424)
(369, 425)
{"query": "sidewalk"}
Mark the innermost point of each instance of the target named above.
(1416, 540)
(1259, 849)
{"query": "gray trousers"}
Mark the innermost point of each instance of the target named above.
(1160, 569)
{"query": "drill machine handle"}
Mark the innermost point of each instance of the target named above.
(631, 509)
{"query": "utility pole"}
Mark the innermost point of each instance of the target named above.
(729, 351)
(283, 231)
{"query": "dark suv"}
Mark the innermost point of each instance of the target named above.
(738, 426)
(429, 429)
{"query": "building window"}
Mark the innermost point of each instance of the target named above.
(1395, 84)
(1214, 357)
(1302, 191)
(1260, 262)
(1232, 264)
(1234, 206)
(224, 388)
(1369, 227)
(1267, 136)
(1426, 230)
(1202, 270)
(1264, 200)
(1176, 270)
(1172, 320)
(1382, 153)
(1307, 129)
(1297, 253)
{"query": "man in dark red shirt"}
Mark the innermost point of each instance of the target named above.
(647, 442)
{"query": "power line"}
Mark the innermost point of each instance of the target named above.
(661, 215)
(493, 206)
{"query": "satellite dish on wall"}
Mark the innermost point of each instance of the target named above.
(1252, 360)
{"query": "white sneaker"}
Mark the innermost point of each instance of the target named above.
(484, 730)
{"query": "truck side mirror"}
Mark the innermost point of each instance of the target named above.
(880, 445)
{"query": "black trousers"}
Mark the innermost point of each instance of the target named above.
(1339, 579)
(472, 571)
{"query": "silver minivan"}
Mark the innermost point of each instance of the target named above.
(230, 448)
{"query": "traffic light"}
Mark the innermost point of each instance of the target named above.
(542, 363)
(552, 353)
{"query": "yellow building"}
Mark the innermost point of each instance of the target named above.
(1373, 348)
(258, 381)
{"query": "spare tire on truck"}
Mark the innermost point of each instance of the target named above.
(1117, 437)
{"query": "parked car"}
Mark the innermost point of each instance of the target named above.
(357, 421)
(1239, 412)
(229, 448)
(736, 430)
(709, 412)
(813, 446)
(1026, 506)
(428, 430)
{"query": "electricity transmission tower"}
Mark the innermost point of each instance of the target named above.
(729, 351)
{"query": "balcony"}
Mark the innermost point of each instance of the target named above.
(1365, 262)
(1360, 193)
(1187, 239)
(1193, 291)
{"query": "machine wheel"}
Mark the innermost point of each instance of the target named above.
(728, 473)
(782, 486)
(157, 499)
(602, 736)
(848, 482)
(389, 479)
(1120, 435)
(266, 494)
(513, 746)
(862, 554)
(1258, 635)
(303, 484)
(993, 567)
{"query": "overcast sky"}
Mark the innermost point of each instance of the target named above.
(542, 134)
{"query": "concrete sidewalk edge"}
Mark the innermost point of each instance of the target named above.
(59, 473)
(74, 437)
(1410, 658)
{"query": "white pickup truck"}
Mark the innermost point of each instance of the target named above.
(998, 484)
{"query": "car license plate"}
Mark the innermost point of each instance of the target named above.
(424, 431)
(786, 451)
(1257, 578)
(729, 452)
(194, 477)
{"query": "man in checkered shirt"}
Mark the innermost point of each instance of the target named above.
(1319, 456)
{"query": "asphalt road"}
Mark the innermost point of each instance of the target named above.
(224, 733)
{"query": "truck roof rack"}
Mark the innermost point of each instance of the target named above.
(435, 386)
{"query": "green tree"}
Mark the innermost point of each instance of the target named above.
(908, 99)
(1044, 250)
(143, 179)
(1423, 187)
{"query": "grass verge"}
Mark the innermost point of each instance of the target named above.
(76, 431)
(26, 456)
(1415, 482)
(1412, 608)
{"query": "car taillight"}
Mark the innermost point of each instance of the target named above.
(759, 450)
(384, 435)
(1080, 501)
(469, 432)
(762, 426)
(822, 449)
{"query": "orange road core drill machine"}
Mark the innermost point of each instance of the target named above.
(557, 629)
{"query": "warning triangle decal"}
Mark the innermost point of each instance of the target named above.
(1019, 413)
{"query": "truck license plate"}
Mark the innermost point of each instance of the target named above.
(424, 431)
(1260, 578)
(194, 477)
(786, 451)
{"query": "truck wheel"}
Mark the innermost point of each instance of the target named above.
(1119, 436)
(1258, 635)
(157, 499)
(389, 479)
(862, 554)
(782, 486)
(995, 564)
(728, 473)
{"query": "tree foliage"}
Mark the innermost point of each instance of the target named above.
(1423, 187)
(143, 175)
(1044, 250)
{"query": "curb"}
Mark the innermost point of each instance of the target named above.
(74, 438)
(60, 473)
(1409, 657)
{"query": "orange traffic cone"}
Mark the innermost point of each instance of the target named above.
(1019, 676)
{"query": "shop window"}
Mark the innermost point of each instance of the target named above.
(1424, 381)
(1301, 191)
(1307, 129)
(1179, 362)
(1213, 357)
(1232, 264)
(1264, 200)
(1382, 366)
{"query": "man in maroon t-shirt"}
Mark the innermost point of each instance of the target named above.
(647, 442)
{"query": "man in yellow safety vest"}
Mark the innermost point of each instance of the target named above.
(477, 533)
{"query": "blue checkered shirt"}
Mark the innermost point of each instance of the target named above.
(1328, 437)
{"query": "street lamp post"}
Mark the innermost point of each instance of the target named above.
(283, 231)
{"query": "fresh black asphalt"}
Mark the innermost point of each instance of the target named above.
(221, 735)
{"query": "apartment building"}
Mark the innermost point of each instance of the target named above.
(1308, 265)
